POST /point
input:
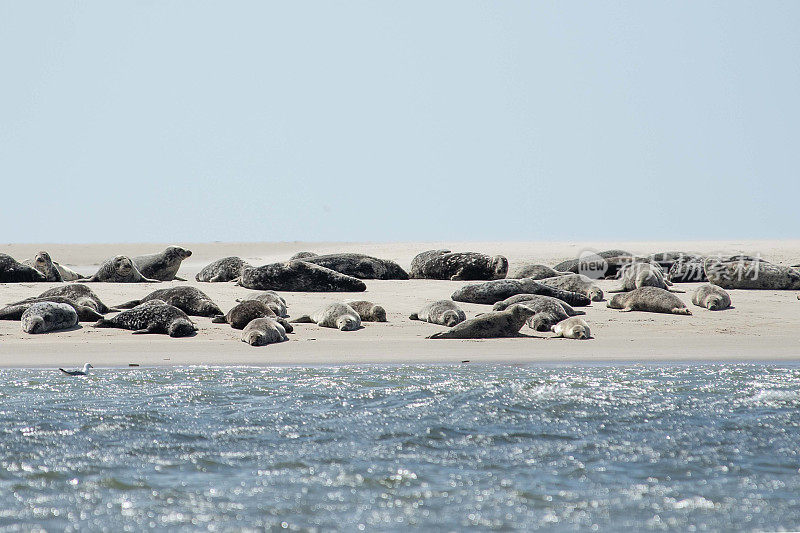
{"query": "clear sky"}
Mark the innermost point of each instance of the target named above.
(390, 121)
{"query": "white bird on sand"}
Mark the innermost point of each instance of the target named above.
(84, 372)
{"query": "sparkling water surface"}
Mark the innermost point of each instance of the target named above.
(610, 447)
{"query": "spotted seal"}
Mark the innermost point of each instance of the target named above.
(12, 271)
(360, 266)
(44, 264)
(153, 316)
(84, 312)
(302, 255)
(298, 276)
(458, 266)
(263, 331)
(242, 313)
(494, 324)
(687, 271)
(225, 269)
(190, 300)
(548, 312)
(491, 292)
(572, 328)
(162, 266)
(368, 311)
(576, 283)
(711, 297)
(48, 316)
(612, 260)
(336, 315)
(640, 274)
(120, 269)
(534, 271)
(523, 298)
(443, 312)
(751, 274)
(273, 300)
(77, 292)
(650, 299)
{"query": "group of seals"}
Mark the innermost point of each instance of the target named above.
(495, 324)
(336, 315)
(76, 292)
(12, 271)
(358, 265)
(491, 292)
(244, 312)
(273, 300)
(751, 273)
(119, 269)
(190, 300)
(458, 266)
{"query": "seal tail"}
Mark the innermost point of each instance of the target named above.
(129, 305)
(305, 319)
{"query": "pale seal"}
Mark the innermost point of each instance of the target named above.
(162, 266)
(263, 331)
(751, 274)
(576, 283)
(298, 276)
(639, 274)
(650, 299)
(494, 324)
(48, 316)
(15, 311)
(336, 315)
(368, 311)
(120, 269)
(548, 312)
(44, 264)
(523, 298)
(225, 269)
(492, 292)
(242, 313)
(302, 255)
(190, 300)
(534, 271)
(359, 266)
(458, 266)
(12, 271)
(443, 312)
(711, 297)
(154, 316)
(273, 300)
(572, 328)
(77, 292)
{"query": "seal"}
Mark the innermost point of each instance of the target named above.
(666, 260)
(162, 266)
(78, 293)
(302, 255)
(495, 324)
(612, 259)
(48, 316)
(523, 298)
(491, 292)
(119, 270)
(360, 266)
(548, 312)
(688, 271)
(368, 311)
(637, 275)
(650, 299)
(751, 274)
(15, 311)
(154, 316)
(711, 297)
(190, 300)
(225, 269)
(458, 266)
(241, 314)
(263, 331)
(12, 271)
(576, 283)
(298, 276)
(273, 300)
(534, 271)
(44, 264)
(443, 312)
(572, 328)
(336, 315)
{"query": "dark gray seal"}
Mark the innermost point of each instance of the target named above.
(273, 300)
(190, 300)
(458, 266)
(492, 292)
(368, 311)
(154, 316)
(613, 259)
(576, 283)
(44, 264)
(534, 271)
(548, 312)
(48, 316)
(495, 324)
(360, 266)
(12, 271)
(221, 270)
(15, 311)
(688, 271)
(241, 314)
(522, 298)
(120, 269)
(443, 312)
(711, 297)
(572, 328)
(666, 260)
(650, 299)
(77, 292)
(263, 331)
(302, 255)
(751, 274)
(337, 315)
(299, 276)
(162, 266)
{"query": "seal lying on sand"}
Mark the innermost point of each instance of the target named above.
(48, 316)
(154, 316)
(522, 298)
(298, 276)
(443, 312)
(494, 324)
(711, 297)
(492, 292)
(548, 312)
(666, 260)
(360, 266)
(273, 300)
(119, 270)
(689, 271)
(368, 311)
(746, 274)
(458, 266)
(190, 300)
(241, 314)
(15, 311)
(637, 275)
(337, 315)
(12, 271)
(225, 269)
(303, 255)
(576, 283)
(572, 328)
(534, 271)
(44, 264)
(611, 261)
(164, 265)
(77, 292)
(650, 299)
(263, 331)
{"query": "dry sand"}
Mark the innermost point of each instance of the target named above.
(762, 326)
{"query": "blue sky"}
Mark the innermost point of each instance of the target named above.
(390, 121)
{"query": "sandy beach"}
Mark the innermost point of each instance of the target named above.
(761, 326)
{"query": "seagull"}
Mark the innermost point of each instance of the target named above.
(84, 372)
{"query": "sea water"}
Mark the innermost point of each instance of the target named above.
(610, 447)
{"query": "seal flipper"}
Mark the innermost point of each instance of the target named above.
(676, 290)
(219, 319)
(621, 289)
(129, 305)
(176, 278)
(102, 323)
(305, 319)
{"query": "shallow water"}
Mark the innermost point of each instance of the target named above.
(684, 447)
